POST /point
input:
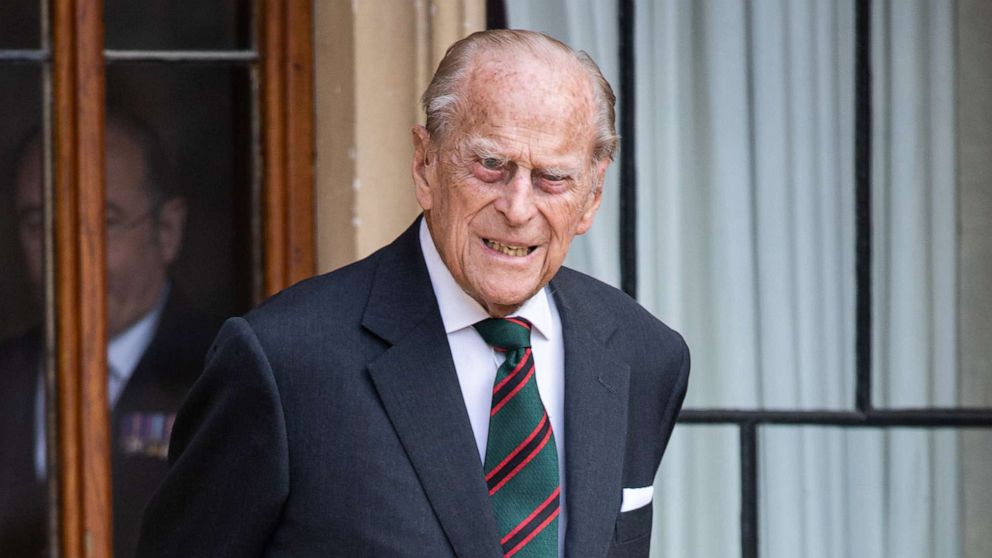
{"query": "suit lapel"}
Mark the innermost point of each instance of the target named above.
(596, 384)
(418, 385)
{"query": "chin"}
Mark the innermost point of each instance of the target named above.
(507, 298)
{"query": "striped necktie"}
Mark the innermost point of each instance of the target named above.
(521, 458)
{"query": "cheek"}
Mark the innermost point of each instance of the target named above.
(564, 218)
(118, 256)
(138, 256)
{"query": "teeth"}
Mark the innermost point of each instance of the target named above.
(508, 250)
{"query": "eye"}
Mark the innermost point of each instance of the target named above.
(491, 163)
(113, 219)
(555, 181)
(490, 169)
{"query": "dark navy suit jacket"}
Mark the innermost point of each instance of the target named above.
(330, 422)
(138, 431)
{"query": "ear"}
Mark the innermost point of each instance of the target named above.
(596, 197)
(171, 222)
(423, 167)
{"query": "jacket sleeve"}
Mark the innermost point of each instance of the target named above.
(229, 460)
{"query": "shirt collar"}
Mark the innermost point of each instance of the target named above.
(125, 350)
(459, 310)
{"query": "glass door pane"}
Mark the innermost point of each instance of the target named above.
(20, 23)
(25, 462)
(179, 253)
(178, 24)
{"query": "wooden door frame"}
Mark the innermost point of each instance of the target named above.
(285, 133)
(286, 45)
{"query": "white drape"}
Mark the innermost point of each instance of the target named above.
(745, 129)
(914, 268)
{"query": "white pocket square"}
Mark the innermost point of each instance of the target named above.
(634, 498)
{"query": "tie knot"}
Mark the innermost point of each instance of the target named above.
(505, 333)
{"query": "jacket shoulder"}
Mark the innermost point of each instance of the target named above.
(602, 299)
(341, 293)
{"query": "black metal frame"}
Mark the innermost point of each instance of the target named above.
(628, 149)
(750, 420)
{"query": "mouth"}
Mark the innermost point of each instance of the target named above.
(508, 249)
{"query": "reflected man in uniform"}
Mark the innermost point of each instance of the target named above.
(156, 340)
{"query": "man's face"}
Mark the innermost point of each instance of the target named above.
(509, 186)
(142, 239)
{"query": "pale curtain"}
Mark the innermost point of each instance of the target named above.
(745, 150)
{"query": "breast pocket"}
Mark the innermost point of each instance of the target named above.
(632, 534)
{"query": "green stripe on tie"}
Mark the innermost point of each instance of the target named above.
(521, 464)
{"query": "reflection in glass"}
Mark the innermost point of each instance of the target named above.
(177, 187)
(20, 24)
(24, 466)
(201, 118)
(177, 24)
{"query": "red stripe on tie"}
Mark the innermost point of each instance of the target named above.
(523, 463)
(536, 532)
(518, 322)
(533, 514)
(518, 448)
(515, 391)
(510, 376)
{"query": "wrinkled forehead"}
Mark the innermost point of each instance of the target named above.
(518, 88)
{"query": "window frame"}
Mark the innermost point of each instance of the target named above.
(74, 60)
(750, 421)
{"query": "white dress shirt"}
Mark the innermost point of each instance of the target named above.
(123, 354)
(476, 363)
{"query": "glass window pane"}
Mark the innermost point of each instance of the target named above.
(932, 211)
(745, 199)
(745, 167)
(974, 115)
(697, 500)
(20, 24)
(899, 492)
(24, 463)
(177, 24)
(178, 253)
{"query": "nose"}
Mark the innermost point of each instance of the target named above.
(516, 200)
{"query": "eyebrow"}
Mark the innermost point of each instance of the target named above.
(557, 171)
(485, 148)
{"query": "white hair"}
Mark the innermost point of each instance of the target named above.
(444, 98)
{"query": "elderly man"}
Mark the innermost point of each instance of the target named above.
(156, 348)
(457, 393)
